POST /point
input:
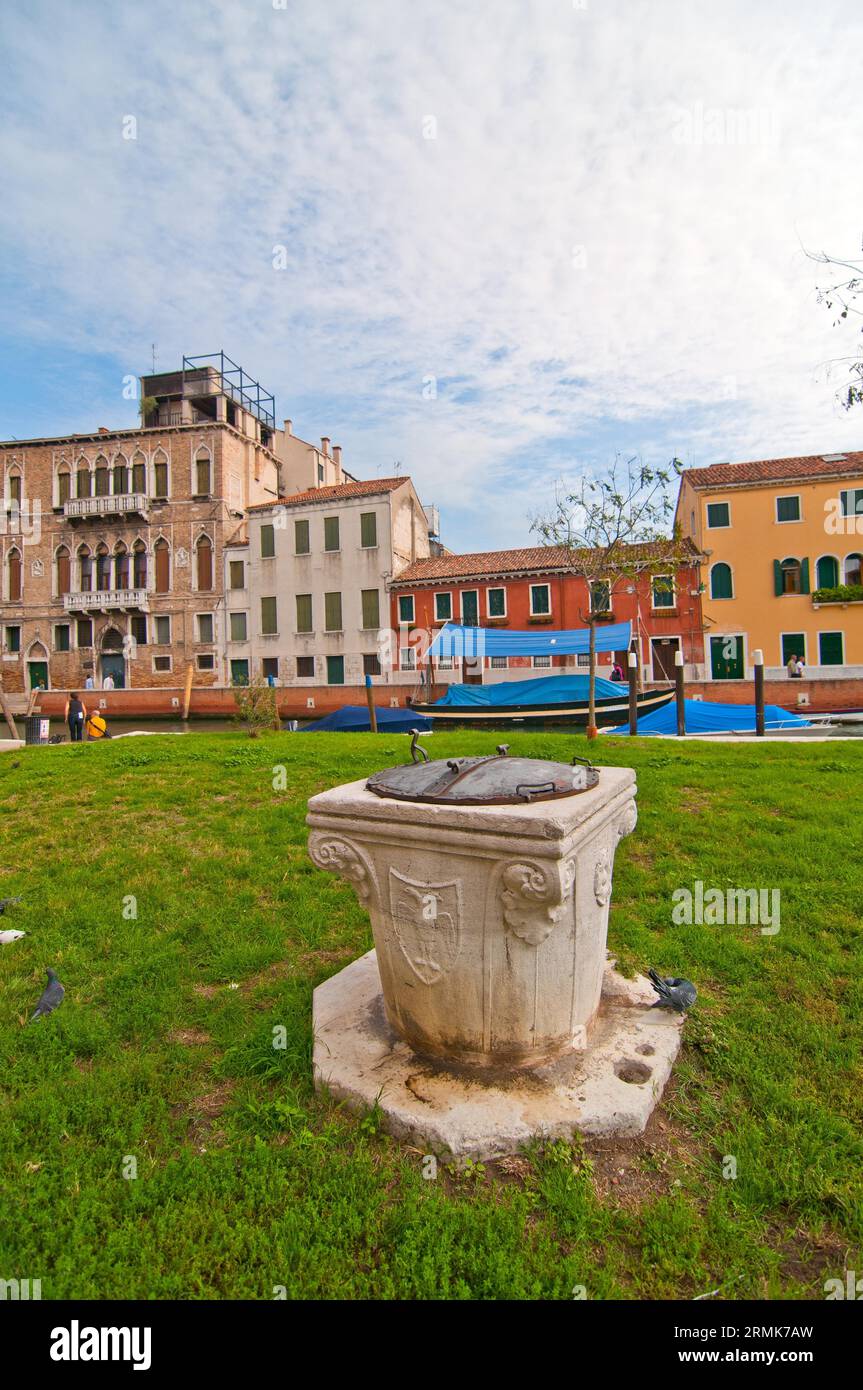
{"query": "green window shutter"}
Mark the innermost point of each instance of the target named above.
(269, 616)
(335, 670)
(238, 627)
(496, 603)
(304, 613)
(371, 608)
(331, 533)
(720, 581)
(268, 542)
(826, 573)
(301, 537)
(333, 612)
(804, 575)
(830, 649)
(443, 608)
(777, 577)
(406, 608)
(368, 529)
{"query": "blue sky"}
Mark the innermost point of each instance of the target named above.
(519, 236)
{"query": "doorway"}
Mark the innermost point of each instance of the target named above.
(37, 672)
(663, 651)
(726, 658)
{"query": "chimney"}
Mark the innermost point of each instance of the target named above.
(289, 427)
(325, 445)
(102, 430)
(337, 455)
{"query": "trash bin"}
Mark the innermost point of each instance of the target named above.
(37, 729)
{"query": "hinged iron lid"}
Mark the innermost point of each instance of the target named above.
(491, 781)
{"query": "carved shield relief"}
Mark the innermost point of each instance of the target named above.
(427, 920)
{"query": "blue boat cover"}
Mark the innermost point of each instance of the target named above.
(705, 717)
(469, 642)
(355, 719)
(548, 690)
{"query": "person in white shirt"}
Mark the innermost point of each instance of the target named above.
(88, 684)
(108, 683)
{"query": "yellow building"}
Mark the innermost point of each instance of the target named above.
(783, 540)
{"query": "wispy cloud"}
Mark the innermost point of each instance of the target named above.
(518, 235)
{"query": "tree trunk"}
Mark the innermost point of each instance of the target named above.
(591, 699)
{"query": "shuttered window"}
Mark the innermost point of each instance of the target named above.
(333, 612)
(331, 533)
(238, 627)
(302, 544)
(205, 563)
(160, 473)
(269, 617)
(64, 572)
(64, 482)
(830, 649)
(163, 567)
(371, 608)
(268, 542)
(368, 530)
(304, 613)
(720, 581)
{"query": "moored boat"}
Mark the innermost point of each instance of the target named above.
(550, 700)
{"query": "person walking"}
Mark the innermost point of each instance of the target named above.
(795, 670)
(88, 684)
(108, 683)
(75, 713)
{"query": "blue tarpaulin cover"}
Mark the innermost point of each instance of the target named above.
(355, 719)
(548, 690)
(469, 642)
(705, 717)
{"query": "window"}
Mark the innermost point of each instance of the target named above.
(163, 567)
(540, 600)
(826, 572)
(335, 670)
(202, 474)
(371, 608)
(121, 478)
(138, 628)
(85, 564)
(304, 613)
(84, 633)
(600, 597)
(139, 474)
(13, 567)
(269, 617)
(663, 591)
(162, 663)
(368, 530)
(406, 608)
(853, 569)
(270, 668)
(320, 473)
(62, 637)
(240, 671)
(63, 564)
(14, 490)
(305, 667)
(371, 664)
(103, 569)
(205, 661)
(831, 649)
(582, 659)
(237, 572)
(333, 612)
(83, 481)
(791, 576)
(788, 508)
(721, 585)
(204, 551)
(444, 663)
(139, 565)
(793, 644)
(121, 568)
(443, 608)
(541, 663)
(205, 627)
(470, 607)
(499, 663)
(268, 541)
(408, 659)
(718, 515)
(852, 501)
(13, 639)
(162, 625)
(160, 478)
(302, 541)
(331, 533)
(496, 599)
(101, 476)
(64, 487)
(238, 627)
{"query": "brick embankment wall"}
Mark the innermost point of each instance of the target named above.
(217, 702)
(823, 694)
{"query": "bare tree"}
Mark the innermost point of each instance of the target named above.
(844, 297)
(612, 528)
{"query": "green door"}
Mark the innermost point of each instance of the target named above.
(470, 608)
(38, 672)
(726, 658)
(114, 665)
(239, 672)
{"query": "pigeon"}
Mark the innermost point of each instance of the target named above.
(674, 993)
(52, 996)
(7, 902)
(7, 937)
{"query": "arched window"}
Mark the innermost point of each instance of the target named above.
(63, 571)
(854, 569)
(202, 473)
(121, 567)
(791, 576)
(139, 473)
(139, 565)
(121, 476)
(102, 488)
(204, 553)
(721, 585)
(827, 572)
(163, 567)
(85, 569)
(160, 475)
(103, 569)
(13, 491)
(83, 488)
(13, 566)
(64, 486)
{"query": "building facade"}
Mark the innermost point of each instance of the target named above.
(534, 587)
(783, 547)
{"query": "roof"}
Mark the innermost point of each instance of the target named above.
(340, 492)
(724, 475)
(533, 560)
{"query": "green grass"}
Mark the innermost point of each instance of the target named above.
(248, 1181)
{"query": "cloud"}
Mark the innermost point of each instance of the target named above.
(584, 225)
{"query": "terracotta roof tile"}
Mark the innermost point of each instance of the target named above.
(339, 492)
(533, 560)
(724, 475)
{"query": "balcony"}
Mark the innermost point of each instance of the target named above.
(115, 505)
(104, 600)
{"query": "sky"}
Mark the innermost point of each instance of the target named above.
(488, 243)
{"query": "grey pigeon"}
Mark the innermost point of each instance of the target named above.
(52, 996)
(7, 937)
(674, 992)
(7, 902)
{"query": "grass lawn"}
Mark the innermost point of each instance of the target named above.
(163, 1051)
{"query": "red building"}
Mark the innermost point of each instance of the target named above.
(529, 588)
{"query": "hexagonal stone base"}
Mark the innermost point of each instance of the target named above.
(611, 1088)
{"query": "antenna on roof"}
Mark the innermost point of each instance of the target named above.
(153, 350)
(397, 465)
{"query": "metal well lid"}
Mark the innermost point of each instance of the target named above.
(491, 781)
